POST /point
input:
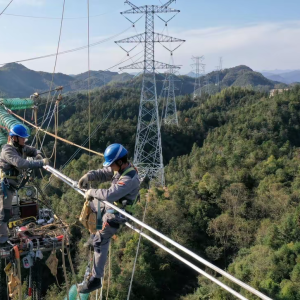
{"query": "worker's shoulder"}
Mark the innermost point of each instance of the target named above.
(131, 174)
(8, 147)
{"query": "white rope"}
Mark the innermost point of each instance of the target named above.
(137, 251)
(74, 185)
(54, 109)
(44, 121)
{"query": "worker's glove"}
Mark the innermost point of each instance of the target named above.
(83, 182)
(39, 157)
(88, 196)
(45, 161)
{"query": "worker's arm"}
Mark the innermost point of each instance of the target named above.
(101, 175)
(30, 151)
(115, 192)
(11, 156)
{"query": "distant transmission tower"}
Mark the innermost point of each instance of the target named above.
(198, 70)
(205, 80)
(148, 150)
(218, 71)
(171, 117)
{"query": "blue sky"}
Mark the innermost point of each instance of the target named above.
(261, 34)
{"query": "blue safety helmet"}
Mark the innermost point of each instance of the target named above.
(113, 153)
(19, 130)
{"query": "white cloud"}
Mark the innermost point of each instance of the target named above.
(259, 46)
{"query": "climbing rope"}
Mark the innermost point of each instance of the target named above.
(50, 119)
(64, 266)
(137, 250)
(54, 151)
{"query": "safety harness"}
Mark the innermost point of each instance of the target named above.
(93, 221)
(122, 203)
(20, 178)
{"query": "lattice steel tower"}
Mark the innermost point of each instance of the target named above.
(198, 70)
(171, 117)
(218, 71)
(148, 150)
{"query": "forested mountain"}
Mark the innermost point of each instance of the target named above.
(19, 81)
(233, 186)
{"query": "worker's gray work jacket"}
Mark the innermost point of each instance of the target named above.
(15, 158)
(122, 187)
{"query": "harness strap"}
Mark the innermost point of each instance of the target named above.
(3, 175)
(99, 217)
(126, 172)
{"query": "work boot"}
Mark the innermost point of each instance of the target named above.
(92, 285)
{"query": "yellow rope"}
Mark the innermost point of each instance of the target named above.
(64, 266)
(55, 136)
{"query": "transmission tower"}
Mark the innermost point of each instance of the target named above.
(218, 70)
(171, 117)
(198, 70)
(205, 80)
(148, 150)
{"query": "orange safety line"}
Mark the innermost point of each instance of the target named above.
(53, 135)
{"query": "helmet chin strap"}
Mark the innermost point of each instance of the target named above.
(16, 143)
(120, 165)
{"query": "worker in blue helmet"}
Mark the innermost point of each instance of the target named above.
(13, 160)
(124, 190)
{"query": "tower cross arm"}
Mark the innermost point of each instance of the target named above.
(161, 38)
(156, 9)
(158, 38)
(157, 65)
(139, 38)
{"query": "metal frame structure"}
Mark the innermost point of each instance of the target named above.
(171, 117)
(148, 156)
(198, 69)
(218, 70)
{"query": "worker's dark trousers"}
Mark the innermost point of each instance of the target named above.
(5, 211)
(110, 226)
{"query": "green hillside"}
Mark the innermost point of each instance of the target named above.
(233, 186)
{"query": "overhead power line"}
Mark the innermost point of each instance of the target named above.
(70, 50)
(56, 18)
(2, 12)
